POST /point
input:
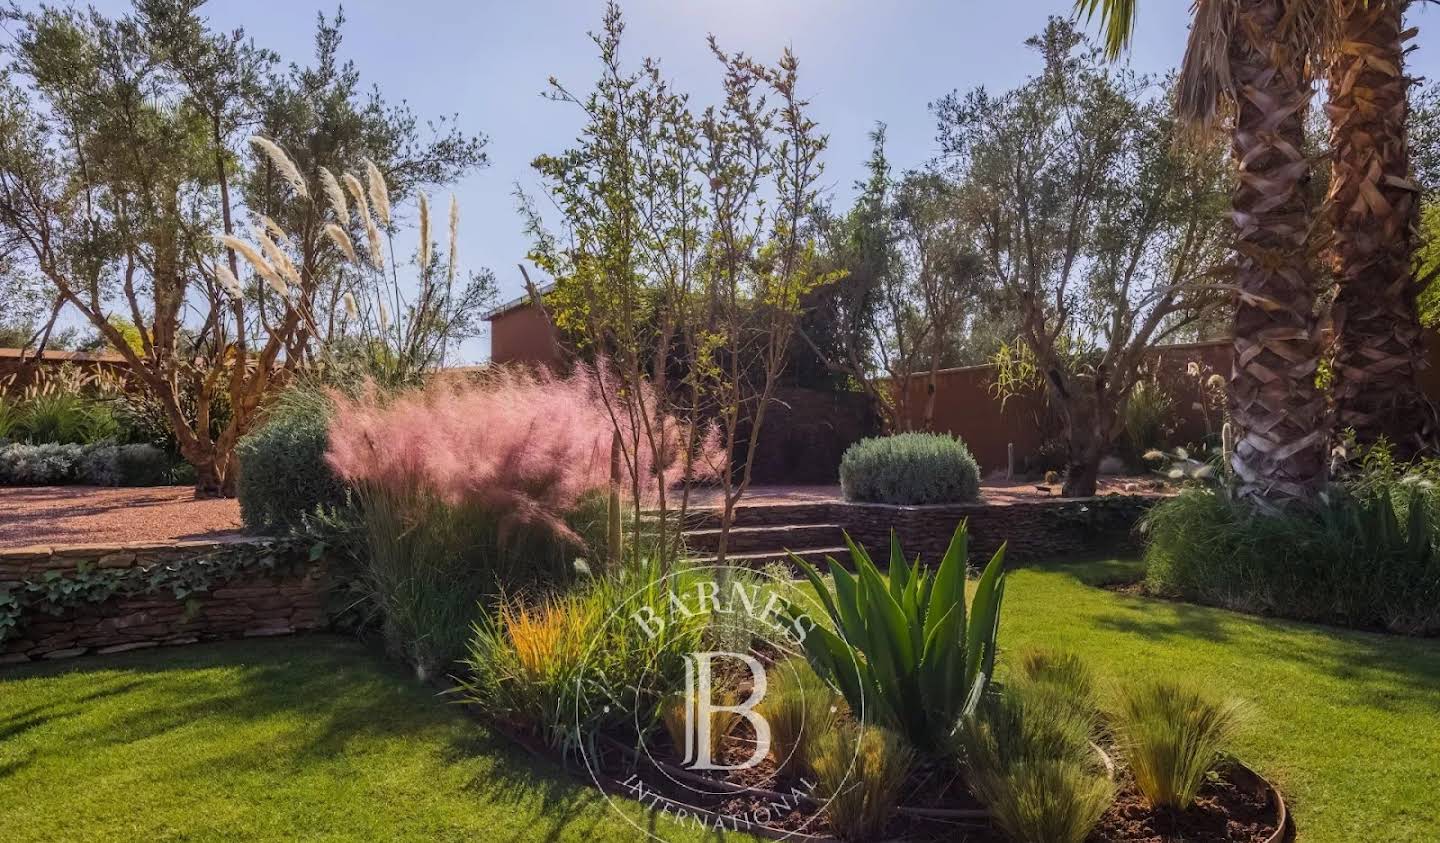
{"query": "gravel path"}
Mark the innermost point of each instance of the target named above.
(64, 515)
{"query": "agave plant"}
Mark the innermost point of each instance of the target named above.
(908, 655)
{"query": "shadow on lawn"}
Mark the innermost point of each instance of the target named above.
(260, 704)
(1377, 670)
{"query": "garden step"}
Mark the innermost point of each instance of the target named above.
(762, 515)
(759, 559)
(751, 539)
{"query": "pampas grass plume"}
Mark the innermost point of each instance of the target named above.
(336, 194)
(282, 163)
(379, 192)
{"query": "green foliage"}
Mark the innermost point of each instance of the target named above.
(799, 707)
(1171, 736)
(9, 415)
(1364, 555)
(63, 417)
(1146, 414)
(283, 473)
(57, 591)
(564, 668)
(431, 567)
(910, 468)
(860, 772)
(1027, 753)
(100, 464)
(908, 656)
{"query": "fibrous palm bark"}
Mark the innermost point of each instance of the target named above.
(1372, 209)
(1278, 409)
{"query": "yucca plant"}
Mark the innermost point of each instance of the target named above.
(1172, 735)
(910, 655)
(859, 774)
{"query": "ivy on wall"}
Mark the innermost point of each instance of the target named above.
(58, 591)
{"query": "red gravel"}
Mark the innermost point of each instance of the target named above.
(65, 515)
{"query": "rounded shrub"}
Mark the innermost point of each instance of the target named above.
(283, 472)
(910, 468)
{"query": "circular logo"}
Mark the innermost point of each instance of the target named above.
(702, 706)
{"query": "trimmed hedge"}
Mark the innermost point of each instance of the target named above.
(283, 472)
(909, 469)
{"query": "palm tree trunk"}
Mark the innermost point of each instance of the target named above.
(1371, 209)
(1280, 450)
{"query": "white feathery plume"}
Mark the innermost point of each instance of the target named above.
(342, 242)
(336, 195)
(454, 238)
(280, 261)
(274, 228)
(228, 282)
(246, 251)
(282, 162)
(424, 232)
(357, 191)
(352, 309)
(379, 193)
(384, 317)
(372, 233)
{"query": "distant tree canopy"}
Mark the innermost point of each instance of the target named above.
(123, 153)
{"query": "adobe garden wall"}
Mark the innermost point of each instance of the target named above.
(58, 602)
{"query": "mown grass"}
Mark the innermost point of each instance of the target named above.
(1346, 723)
(317, 738)
(311, 738)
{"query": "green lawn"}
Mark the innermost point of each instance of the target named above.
(310, 738)
(316, 738)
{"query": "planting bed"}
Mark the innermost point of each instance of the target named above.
(1237, 806)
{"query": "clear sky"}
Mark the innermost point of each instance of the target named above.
(860, 62)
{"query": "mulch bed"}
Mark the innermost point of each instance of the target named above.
(70, 515)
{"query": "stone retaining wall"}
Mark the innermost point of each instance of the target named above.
(1033, 531)
(286, 597)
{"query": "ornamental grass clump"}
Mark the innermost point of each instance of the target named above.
(1171, 736)
(1027, 756)
(799, 707)
(910, 469)
(860, 772)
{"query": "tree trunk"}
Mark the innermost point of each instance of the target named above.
(1086, 441)
(1371, 210)
(1279, 411)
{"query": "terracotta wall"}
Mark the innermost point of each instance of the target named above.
(264, 601)
(523, 334)
(967, 406)
(16, 374)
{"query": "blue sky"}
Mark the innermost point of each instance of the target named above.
(861, 62)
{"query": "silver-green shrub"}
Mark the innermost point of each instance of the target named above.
(910, 468)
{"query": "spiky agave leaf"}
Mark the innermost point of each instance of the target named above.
(282, 164)
(379, 191)
(342, 242)
(336, 194)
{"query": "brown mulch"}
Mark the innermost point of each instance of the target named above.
(1222, 813)
(68, 515)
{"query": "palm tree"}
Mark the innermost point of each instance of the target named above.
(1371, 210)
(1254, 56)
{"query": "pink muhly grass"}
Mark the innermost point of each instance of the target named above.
(523, 448)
